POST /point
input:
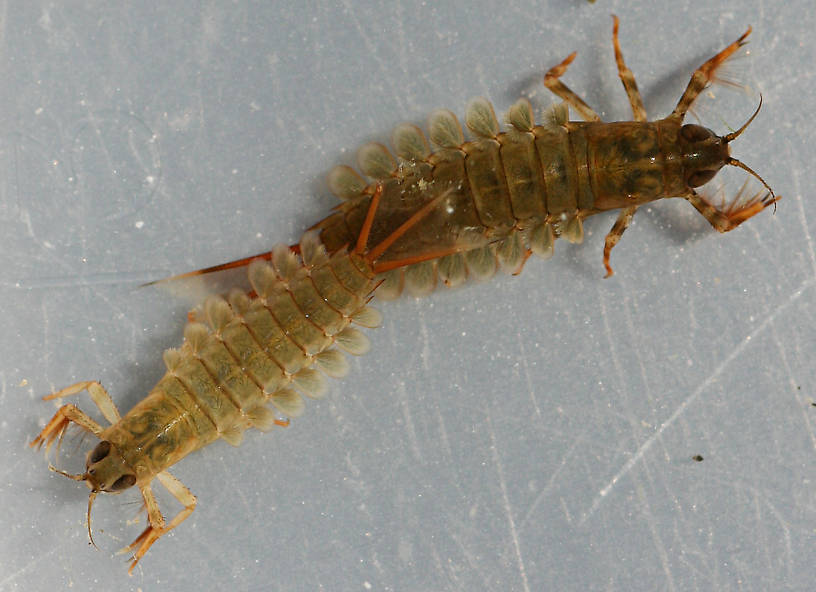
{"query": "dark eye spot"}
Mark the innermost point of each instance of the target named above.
(695, 133)
(123, 482)
(700, 178)
(101, 451)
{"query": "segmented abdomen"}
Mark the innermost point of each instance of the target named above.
(253, 350)
(497, 195)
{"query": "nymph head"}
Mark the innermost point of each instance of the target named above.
(705, 153)
(105, 471)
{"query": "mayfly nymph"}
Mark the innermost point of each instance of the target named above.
(464, 208)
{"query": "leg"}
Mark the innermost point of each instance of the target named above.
(362, 239)
(731, 215)
(376, 252)
(430, 255)
(99, 395)
(704, 74)
(59, 423)
(629, 84)
(520, 268)
(156, 527)
(620, 226)
(552, 82)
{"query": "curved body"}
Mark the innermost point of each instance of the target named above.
(250, 360)
(550, 175)
(251, 353)
(448, 213)
(505, 195)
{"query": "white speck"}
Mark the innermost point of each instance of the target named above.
(139, 224)
(45, 21)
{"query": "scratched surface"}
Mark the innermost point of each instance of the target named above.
(528, 433)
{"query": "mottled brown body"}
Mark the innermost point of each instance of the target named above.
(448, 213)
(504, 195)
(517, 181)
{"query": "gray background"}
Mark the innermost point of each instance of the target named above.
(529, 433)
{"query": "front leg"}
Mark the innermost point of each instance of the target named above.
(55, 429)
(67, 413)
(730, 215)
(705, 74)
(156, 526)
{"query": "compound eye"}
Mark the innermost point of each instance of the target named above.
(123, 482)
(101, 451)
(695, 133)
(700, 178)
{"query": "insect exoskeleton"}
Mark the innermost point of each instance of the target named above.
(494, 200)
(504, 195)
(458, 210)
(245, 364)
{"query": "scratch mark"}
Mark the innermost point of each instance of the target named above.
(81, 281)
(248, 509)
(655, 531)
(804, 411)
(803, 218)
(507, 508)
(789, 557)
(410, 430)
(425, 352)
(27, 567)
(612, 349)
(527, 378)
(376, 53)
(545, 491)
(641, 451)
